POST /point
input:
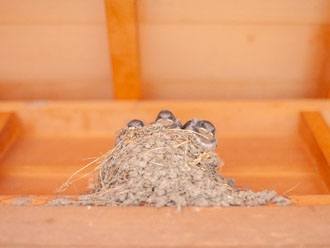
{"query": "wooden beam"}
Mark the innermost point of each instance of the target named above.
(325, 72)
(164, 227)
(316, 133)
(310, 200)
(123, 39)
(8, 131)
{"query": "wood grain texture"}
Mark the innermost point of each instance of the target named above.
(123, 38)
(54, 50)
(295, 12)
(45, 62)
(316, 133)
(52, 12)
(102, 119)
(151, 227)
(232, 61)
(310, 200)
(9, 130)
(326, 65)
(186, 49)
(214, 50)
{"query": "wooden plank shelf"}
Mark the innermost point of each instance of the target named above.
(151, 227)
(316, 133)
(275, 145)
(9, 130)
(57, 138)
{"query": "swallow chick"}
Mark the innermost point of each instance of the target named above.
(131, 125)
(189, 125)
(135, 123)
(207, 131)
(167, 119)
(178, 124)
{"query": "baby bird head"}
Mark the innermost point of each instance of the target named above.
(166, 118)
(135, 123)
(205, 127)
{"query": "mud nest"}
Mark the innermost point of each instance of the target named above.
(158, 166)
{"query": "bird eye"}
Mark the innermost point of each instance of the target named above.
(158, 117)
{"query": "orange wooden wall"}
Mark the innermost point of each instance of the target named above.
(219, 49)
(54, 49)
(234, 49)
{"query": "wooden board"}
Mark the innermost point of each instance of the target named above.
(272, 152)
(123, 39)
(9, 130)
(260, 142)
(317, 134)
(54, 50)
(198, 49)
(206, 49)
(150, 227)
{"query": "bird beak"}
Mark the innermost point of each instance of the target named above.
(166, 122)
(203, 130)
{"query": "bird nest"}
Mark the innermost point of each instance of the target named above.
(159, 166)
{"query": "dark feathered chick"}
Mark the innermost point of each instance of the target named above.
(207, 131)
(167, 119)
(135, 123)
(189, 125)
